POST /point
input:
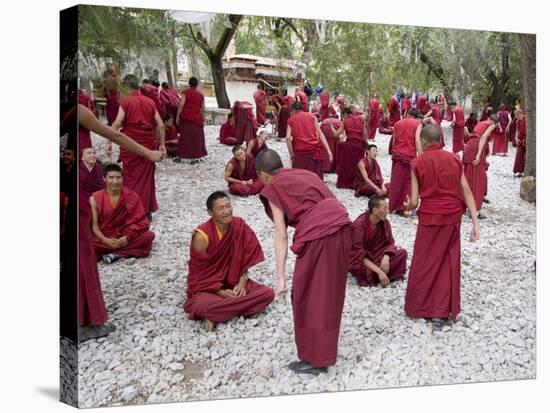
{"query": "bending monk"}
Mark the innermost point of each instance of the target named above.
(240, 173)
(119, 223)
(368, 176)
(222, 250)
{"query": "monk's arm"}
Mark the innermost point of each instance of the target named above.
(95, 223)
(365, 176)
(337, 132)
(249, 146)
(227, 175)
(180, 108)
(289, 141)
(323, 139)
(483, 141)
(117, 124)
(371, 266)
(470, 203)
(160, 131)
(198, 243)
(454, 119)
(281, 246)
(413, 200)
(417, 141)
(428, 114)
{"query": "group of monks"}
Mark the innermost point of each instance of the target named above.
(116, 205)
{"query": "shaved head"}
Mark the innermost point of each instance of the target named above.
(430, 133)
(494, 117)
(268, 161)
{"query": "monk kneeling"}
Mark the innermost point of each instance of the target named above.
(222, 250)
(240, 173)
(119, 223)
(374, 257)
(368, 176)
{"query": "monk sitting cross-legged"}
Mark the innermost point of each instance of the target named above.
(119, 223)
(368, 176)
(240, 173)
(374, 257)
(222, 250)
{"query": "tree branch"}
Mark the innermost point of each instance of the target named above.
(295, 30)
(201, 41)
(227, 35)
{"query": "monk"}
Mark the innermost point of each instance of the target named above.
(301, 97)
(169, 99)
(92, 313)
(227, 132)
(171, 136)
(240, 173)
(374, 257)
(258, 144)
(406, 145)
(394, 111)
(282, 104)
(246, 124)
(406, 104)
(429, 120)
(421, 106)
(500, 134)
(384, 125)
(374, 117)
(190, 120)
(487, 111)
(368, 176)
(119, 223)
(222, 251)
(111, 87)
(350, 150)
(433, 111)
(326, 110)
(84, 137)
(475, 160)
(149, 90)
(332, 140)
(260, 99)
(520, 140)
(144, 125)
(90, 173)
(433, 288)
(304, 139)
(471, 122)
(457, 124)
(341, 102)
(322, 244)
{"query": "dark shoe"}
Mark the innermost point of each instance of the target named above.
(194, 161)
(481, 216)
(438, 323)
(92, 332)
(177, 159)
(400, 213)
(301, 367)
(486, 201)
(110, 258)
(149, 216)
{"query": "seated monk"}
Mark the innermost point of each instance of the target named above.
(384, 125)
(171, 141)
(374, 257)
(227, 132)
(119, 224)
(256, 145)
(240, 173)
(368, 176)
(222, 250)
(90, 173)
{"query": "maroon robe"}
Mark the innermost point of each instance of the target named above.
(171, 141)
(476, 175)
(512, 128)
(170, 101)
(403, 152)
(373, 244)
(332, 141)
(227, 134)
(282, 120)
(84, 136)
(406, 104)
(351, 151)
(421, 104)
(245, 121)
(306, 145)
(375, 175)
(325, 110)
(221, 267)
(458, 130)
(322, 243)
(471, 124)
(519, 161)
(192, 142)
(393, 108)
(111, 106)
(139, 124)
(249, 172)
(91, 181)
(500, 138)
(374, 119)
(261, 102)
(256, 149)
(385, 127)
(152, 93)
(302, 98)
(433, 288)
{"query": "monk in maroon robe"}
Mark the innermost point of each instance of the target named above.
(144, 125)
(227, 132)
(245, 121)
(475, 160)
(394, 111)
(282, 103)
(222, 251)
(190, 119)
(471, 122)
(119, 223)
(374, 117)
(406, 104)
(351, 150)
(84, 137)
(368, 176)
(384, 125)
(322, 243)
(152, 92)
(256, 145)
(170, 135)
(487, 111)
(301, 97)
(90, 173)
(332, 140)
(240, 173)
(433, 288)
(406, 145)
(260, 99)
(304, 140)
(457, 123)
(512, 129)
(500, 134)
(326, 110)
(374, 257)
(520, 140)
(421, 106)
(341, 102)
(111, 86)
(169, 99)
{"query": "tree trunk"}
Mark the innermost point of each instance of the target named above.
(195, 68)
(175, 58)
(169, 73)
(528, 47)
(219, 83)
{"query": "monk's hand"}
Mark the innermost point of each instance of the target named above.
(384, 190)
(226, 293)
(384, 280)
(385, 264)
(109, 150)
(330, 157)
(249, 182)
(475, 162)
(162, 148)
(406, 203)
(280, 290)
(474, 235)
(156, 156)
(111, 243)
(122, 241)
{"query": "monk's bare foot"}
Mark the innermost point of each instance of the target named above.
(209, 325)
(302, 367)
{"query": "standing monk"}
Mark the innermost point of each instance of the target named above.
(374, 117)
(457, 124)
(304, 139)
(406, 144)
(471, 122)
(141, 121)
(322, 243)
(169, 99)
(240, 173)
(325, 110)
(368, 176)
(433, 288)
(283, 114)
(394, 111)
(152, 92)
(520, 140)
(111, 91)
(406, 104)
(190, 119)
(352, 149)
(332, 140)
(260, 99)
(500, 135)
(421, 106)
(301, 97)
(374, 257)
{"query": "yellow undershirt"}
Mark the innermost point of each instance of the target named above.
(200, 231)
